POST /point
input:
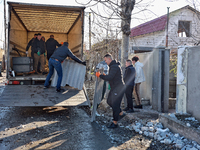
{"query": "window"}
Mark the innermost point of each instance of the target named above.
(184, 29)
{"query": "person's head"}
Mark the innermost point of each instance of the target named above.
(52, 36)
(39, 36)
(35, 35)
(66, 43)
(135, 59)
(128, 62)
(108, 58)
(43, 38)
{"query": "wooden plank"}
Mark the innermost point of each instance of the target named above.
(35, 95)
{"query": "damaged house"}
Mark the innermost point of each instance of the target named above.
(183, 29)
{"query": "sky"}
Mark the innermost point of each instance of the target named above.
(157, 8)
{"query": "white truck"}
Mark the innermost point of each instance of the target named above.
(66, 23)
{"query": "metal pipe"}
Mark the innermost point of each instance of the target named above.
(90, 46)
(5, 39)
(166, 45)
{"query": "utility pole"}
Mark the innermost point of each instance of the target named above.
(90, 47)
(5, 25)
(166, 44)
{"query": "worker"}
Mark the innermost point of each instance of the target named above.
(129, 79)
(30, 44)
(117, 88)
(139, 78)
(43, 38)
(51, 44)
(55, 61)
(39, 50)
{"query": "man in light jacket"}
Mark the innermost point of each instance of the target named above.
(139, 78)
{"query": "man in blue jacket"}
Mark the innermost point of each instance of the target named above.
(55, 61)
(129, 79)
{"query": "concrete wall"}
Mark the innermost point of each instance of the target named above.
(160, 85)
(146, 87)
(188, 81)
(152, 88)
(193, 75)
(159, 38)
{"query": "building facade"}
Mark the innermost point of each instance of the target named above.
(183, 29)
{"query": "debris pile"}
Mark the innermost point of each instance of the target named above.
(157, 132)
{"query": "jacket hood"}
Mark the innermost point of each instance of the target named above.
(139, 64)
(114, 62)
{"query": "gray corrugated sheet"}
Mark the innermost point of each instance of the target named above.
(73, 74)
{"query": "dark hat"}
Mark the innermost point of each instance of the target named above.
(39, 34)
(35, 34)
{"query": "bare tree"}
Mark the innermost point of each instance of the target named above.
(127, 7)
(115, 13)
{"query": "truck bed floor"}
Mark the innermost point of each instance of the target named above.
(35, 95)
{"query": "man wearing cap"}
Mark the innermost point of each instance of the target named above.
(60, 54)
(39, 50)
(51, 44)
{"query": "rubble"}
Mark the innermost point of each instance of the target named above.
(157, 132)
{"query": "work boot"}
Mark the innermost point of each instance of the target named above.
(125, 109)
(112, 126)
(44, 73)
(130, 111)
(60, 90)
(138, 106)
(45, 87)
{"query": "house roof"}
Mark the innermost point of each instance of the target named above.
(154, 25)
(157, 24)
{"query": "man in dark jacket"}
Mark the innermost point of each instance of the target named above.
(39, 50)
(129, 79)
(117, 88)
(30, 44)
(55, 61)
(51, 44)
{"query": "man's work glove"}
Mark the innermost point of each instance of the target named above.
(44, 54)
(84, 63)
(98, 74)
(26, 52)
(38, 53)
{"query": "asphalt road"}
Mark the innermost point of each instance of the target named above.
(50, 128)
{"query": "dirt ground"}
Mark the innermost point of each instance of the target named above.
(123, 138)
(70, 128)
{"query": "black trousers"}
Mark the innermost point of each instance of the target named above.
(104, 90)
(49, 55)
(114, 101)
(129, 97)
